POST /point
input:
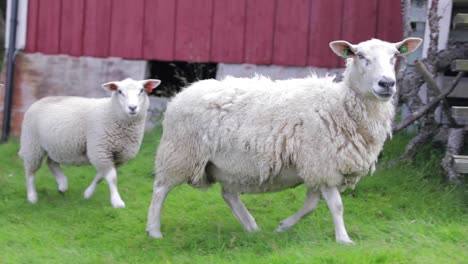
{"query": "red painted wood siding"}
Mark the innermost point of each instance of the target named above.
(281, 32)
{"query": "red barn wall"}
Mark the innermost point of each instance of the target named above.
(280, 32)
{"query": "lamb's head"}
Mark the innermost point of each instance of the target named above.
(131, 96)
(370, 65)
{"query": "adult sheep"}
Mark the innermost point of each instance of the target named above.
(257, 135)
(103, 132)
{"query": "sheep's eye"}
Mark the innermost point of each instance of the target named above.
(120, 92)
(141, 90)
(361, 57)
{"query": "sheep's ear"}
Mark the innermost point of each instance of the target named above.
(110, 86)
(408, 45)
(150, 84)
(343, 48)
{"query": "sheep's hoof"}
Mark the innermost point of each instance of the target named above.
(282, 227)
(88, 193)
(63, 187)
(32, 198)
(118, 203)
(154, 234)
(345, 241)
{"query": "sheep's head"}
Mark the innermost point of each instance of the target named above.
(371, 64)
(131, 95)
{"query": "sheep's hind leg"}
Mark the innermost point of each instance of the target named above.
(239, 211)
(153, 226)
(333, 198)
(311, 202)
(31, 165)
(60, 178)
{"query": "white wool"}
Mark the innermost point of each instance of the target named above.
(255, 135)
(253, 128)
(77, 130)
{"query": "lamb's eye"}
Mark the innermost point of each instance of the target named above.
(120, 92)
(361, 57)
(141, 90)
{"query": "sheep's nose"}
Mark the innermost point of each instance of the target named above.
(132, 108)
(386, 83)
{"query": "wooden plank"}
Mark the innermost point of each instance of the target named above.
(461, 165)
(460, 114)
(227, 43)
(389, 21)
(291, 33)
(465, 157)
(359, 20)
(72, 24)
(324, 29)
(48, 35)
(193, 30)
(259, 31)
(460, 65)
(126, 39)
(159, 30)
(460, 20)
(31, 32)
(96, 39)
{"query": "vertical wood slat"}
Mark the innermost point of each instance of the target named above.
(193, 30)
(126, 39)
(159, 31)
(48, 27)
(31, 32)
(323, 29)
(291, 32)
(390, 21)
(359, 20)
(228, 31)
(72, 23)
(259, 31)
(97, 28)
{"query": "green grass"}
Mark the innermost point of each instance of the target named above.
(405, 214)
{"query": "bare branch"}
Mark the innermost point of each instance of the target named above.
(430, 106)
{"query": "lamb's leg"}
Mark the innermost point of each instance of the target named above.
(111, 179)
(92, 187)
(31, 164)
(60, 178)
(333, 198)
(153, 226)
(239, 211)
(312, 199)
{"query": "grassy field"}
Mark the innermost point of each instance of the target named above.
(405, 214)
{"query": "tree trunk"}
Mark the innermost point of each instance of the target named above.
(454, 147)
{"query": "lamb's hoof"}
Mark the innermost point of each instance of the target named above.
(88, 193)
(154, 234)
(345, 241)
(32, 198)
(63, 188)
(117, 203)
(282, 227)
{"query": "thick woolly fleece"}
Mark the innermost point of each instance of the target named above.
(76, 130)
(255, 130)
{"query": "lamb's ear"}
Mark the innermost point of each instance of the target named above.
(408, 45)
(343, 48)
(110, 86)
(150, 84)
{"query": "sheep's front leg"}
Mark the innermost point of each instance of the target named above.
(110, 175)
(239, 211)
(60, 178)
(111, 179)
(153, 226)
(311, 202)
(333, 198)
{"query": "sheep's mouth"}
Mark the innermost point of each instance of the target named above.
(383, 96)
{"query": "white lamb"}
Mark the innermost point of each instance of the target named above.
(257, 135)
(103, 132)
